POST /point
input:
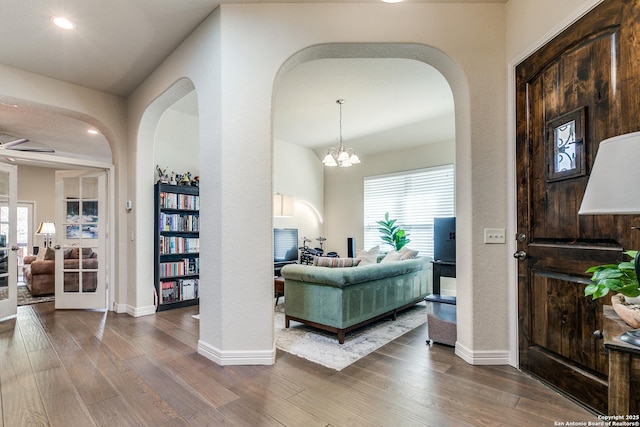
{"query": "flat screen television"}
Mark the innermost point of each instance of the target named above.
(285, 245)
(444, 239)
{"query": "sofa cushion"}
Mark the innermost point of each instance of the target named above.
(340, 277)
(50, 254)
(86, 253)
(391, 257)
(43, 267)
(368, 257)
(323, 261)
(406, 253)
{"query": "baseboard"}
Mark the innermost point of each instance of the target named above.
(141, 311)
(482, 357)
(250, 357)
(120, 308)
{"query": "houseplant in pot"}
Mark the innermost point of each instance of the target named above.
(620, 278)
(392, 234)
(623, 279)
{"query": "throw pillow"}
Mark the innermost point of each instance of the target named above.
(406, 253)
(50, 254)
(323, 261)
(391, 257)
(368, 257)
(41, 254)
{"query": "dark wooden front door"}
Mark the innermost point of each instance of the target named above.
(580, 88)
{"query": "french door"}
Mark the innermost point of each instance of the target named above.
(8, 236)
(80, 244)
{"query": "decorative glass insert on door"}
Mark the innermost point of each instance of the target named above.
(81, 228)
(565, 146)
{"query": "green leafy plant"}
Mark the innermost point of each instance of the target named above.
(619, 278)
(392, 234)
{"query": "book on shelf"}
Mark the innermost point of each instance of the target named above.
(179, 222)
(184, 267)
(179, 201)
(179, 245)
(179, 290)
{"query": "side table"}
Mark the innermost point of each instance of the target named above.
(624, 367)
(278, 288)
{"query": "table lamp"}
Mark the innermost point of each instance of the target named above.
(613, 189)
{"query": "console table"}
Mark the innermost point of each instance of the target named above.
(442, 269)
(624, 367)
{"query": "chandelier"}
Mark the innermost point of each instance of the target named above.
(343, 157)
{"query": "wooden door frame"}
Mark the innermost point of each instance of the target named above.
(512, 208)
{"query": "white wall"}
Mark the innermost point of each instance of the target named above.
(176, 143)
(344, 188)
(37, 185)
(105, 112)
(234, 59)
(531, 23)
(298, 172)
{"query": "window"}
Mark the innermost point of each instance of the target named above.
(414, 198)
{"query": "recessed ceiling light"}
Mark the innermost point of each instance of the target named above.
(392, 1)
(93, 131)
(63, 22)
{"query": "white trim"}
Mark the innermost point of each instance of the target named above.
(238, 357)
(120, 308)
(512, 296)
(137, 311)
(482, 357)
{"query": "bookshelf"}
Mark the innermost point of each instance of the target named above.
(177, 245)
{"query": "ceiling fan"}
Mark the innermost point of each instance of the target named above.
(14, 145)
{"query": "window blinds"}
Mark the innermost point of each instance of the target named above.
(414, 198)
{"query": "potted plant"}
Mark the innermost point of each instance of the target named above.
(392, 234)
(620, 278)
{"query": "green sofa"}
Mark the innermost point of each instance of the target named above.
(342, 299)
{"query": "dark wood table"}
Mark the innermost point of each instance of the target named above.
(278, 288)
(624, 368)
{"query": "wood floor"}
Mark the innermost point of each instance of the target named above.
(84, 368)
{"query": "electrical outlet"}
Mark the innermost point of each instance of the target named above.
(494, 235)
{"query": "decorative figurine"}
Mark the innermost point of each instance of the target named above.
(162, 174)
(173, 179)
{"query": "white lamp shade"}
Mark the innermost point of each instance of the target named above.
(329, 160)
(614, 183)
(283, 205)
(46, 228)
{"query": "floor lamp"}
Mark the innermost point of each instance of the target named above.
(48, 229)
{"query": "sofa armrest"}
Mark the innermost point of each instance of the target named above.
(43, 267)
(29, 259)
(340, 277)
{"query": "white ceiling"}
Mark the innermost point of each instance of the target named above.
(118, 43)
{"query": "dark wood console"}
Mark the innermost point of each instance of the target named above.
(442, 269)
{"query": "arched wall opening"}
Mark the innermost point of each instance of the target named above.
(157, 118)
(458, 83)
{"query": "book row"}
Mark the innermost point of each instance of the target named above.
(179, 245)
(179, 222)
(179, 290)
(184, 267)
(179, 201)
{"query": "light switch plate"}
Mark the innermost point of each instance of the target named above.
(494, 235)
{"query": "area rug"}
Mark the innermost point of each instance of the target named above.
(323, 348)
(25, 298)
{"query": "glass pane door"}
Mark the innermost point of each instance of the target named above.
(80, 252)
(8, 264)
